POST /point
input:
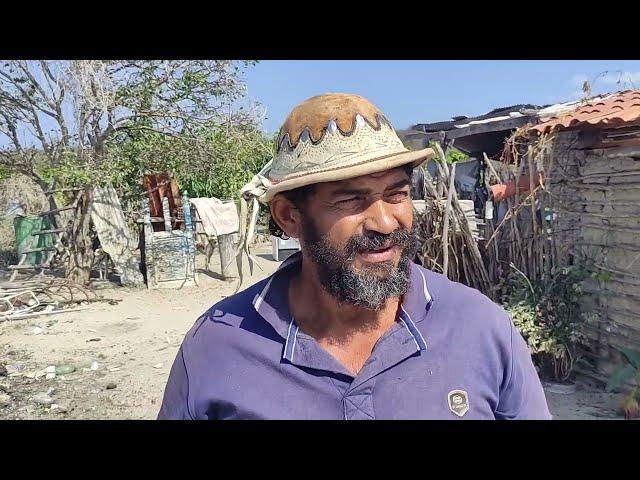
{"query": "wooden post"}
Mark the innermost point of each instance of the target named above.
(148, 239)
(445, 229)
(227, 256)
(167, 214)
(490, 165)
(190, 242)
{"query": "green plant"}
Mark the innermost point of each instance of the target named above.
(626, 372)
(547, 313)
(453, 154)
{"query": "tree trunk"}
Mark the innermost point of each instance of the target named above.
(227, 257)
(80, 246)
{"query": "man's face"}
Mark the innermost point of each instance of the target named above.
(360, 235)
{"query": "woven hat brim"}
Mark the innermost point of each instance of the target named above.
(415, 157)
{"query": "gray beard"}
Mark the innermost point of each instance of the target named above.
(374, 285)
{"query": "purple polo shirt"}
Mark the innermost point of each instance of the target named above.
(451, 350)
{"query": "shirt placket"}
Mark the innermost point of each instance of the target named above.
(393, 348)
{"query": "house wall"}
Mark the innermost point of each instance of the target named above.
(596, 194)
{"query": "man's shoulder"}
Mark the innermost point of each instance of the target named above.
(454, 301)
(450, 293)
(226, 316)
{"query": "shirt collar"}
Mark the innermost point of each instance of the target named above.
(272, 304)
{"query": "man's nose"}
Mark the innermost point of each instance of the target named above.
(379, 218)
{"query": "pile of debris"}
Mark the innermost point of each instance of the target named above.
(44, 296)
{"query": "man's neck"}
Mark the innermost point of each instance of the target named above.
(330, 322)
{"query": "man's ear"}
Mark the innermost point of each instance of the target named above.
(286, 215)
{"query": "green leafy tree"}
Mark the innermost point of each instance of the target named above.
(214, 161)
(58, 119)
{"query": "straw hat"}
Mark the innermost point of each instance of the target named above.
(326, 138)
(331, 137)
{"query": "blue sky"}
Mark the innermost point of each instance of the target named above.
(410, 92)
(422, 91)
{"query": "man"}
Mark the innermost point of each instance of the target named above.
(350, 328)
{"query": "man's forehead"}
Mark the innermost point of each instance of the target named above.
(393, 175)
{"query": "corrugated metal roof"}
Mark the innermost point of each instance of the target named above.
(611, 110)
(490, 120)
(495, 115)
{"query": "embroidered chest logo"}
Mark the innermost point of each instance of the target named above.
(458, 402)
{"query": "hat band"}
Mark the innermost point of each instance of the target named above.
(337, 162)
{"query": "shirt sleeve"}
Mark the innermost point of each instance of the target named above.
(175, 404)
(521, 396)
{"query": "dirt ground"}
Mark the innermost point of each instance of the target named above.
(122, 354)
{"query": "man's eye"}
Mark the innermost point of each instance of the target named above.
(349, 201)
(398, 196)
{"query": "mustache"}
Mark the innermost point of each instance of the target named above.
(376, 241)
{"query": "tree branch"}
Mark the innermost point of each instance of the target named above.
(58, 100)
(24, 66)
(13, 133)
(30, 106)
